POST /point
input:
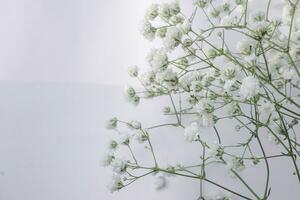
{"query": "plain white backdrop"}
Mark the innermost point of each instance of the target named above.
(63, 64)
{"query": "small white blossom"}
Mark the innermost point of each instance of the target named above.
(107, 159)
(164, 11)
(265, 110)
(174, 7)
(139, 136)
(245, 46)
(147, 78)
(237, 164)
(152, 12)
(131, 95)
(112, 123)
(133, 71)
(202, 3)
(147, 30)
(229, 84)
(157, 59)
(216, 151)
(207, 120)
(173, 38)
(191, 132)
(124, 138)
(112, 145)
(257, 16)
(168, 78)
(250, 87)
(115, 184)
(118, 165)
(135, 124)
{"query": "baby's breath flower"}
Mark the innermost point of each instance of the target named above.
(152, 12)
(173, 38)
(140, 137)
(250, 87)
(168, 78)
(202, 3)
(174, 7)
(115, 184)
(191, 132)
(112, 145)
(133, 71)
(245, 46)
(161, 32)
(124, 139)
(112, 123)
(237, 164)
(157, 59)
(119, 166)
(107, 159)
(135, 124)
(131, 95)
(147, 30)
(206, 119)
(164, 11)
(216, 151)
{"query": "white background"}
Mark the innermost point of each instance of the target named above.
(62, 69)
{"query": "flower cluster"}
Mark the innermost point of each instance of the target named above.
(253, 81)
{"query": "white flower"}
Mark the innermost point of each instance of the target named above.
(135, 124)
(112, 123)
(118, 165)
(124, 138)
(265, 110)
(232, 108)
(157, 59)
(148, 77)
(147, 30)
(112, 145)
(257, 16)
(191, 132)
(160, 182)
(168, 78)
(237, 164)
(131, 95)
(215, 11)
(115, 184)
(207, 120)
(203, 106)
(152, 12)
(202, 3)
(164, 11)
(245, 46)
(250, 87)
(185, 27)
(139, 136)
(107, 159)
(133, 71)
(129, 92)
(174, 7)
(173, 38)
(216, 151)
(228, 84)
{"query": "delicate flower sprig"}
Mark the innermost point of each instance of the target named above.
(253, 81)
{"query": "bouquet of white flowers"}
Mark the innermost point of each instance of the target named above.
(253, 80)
